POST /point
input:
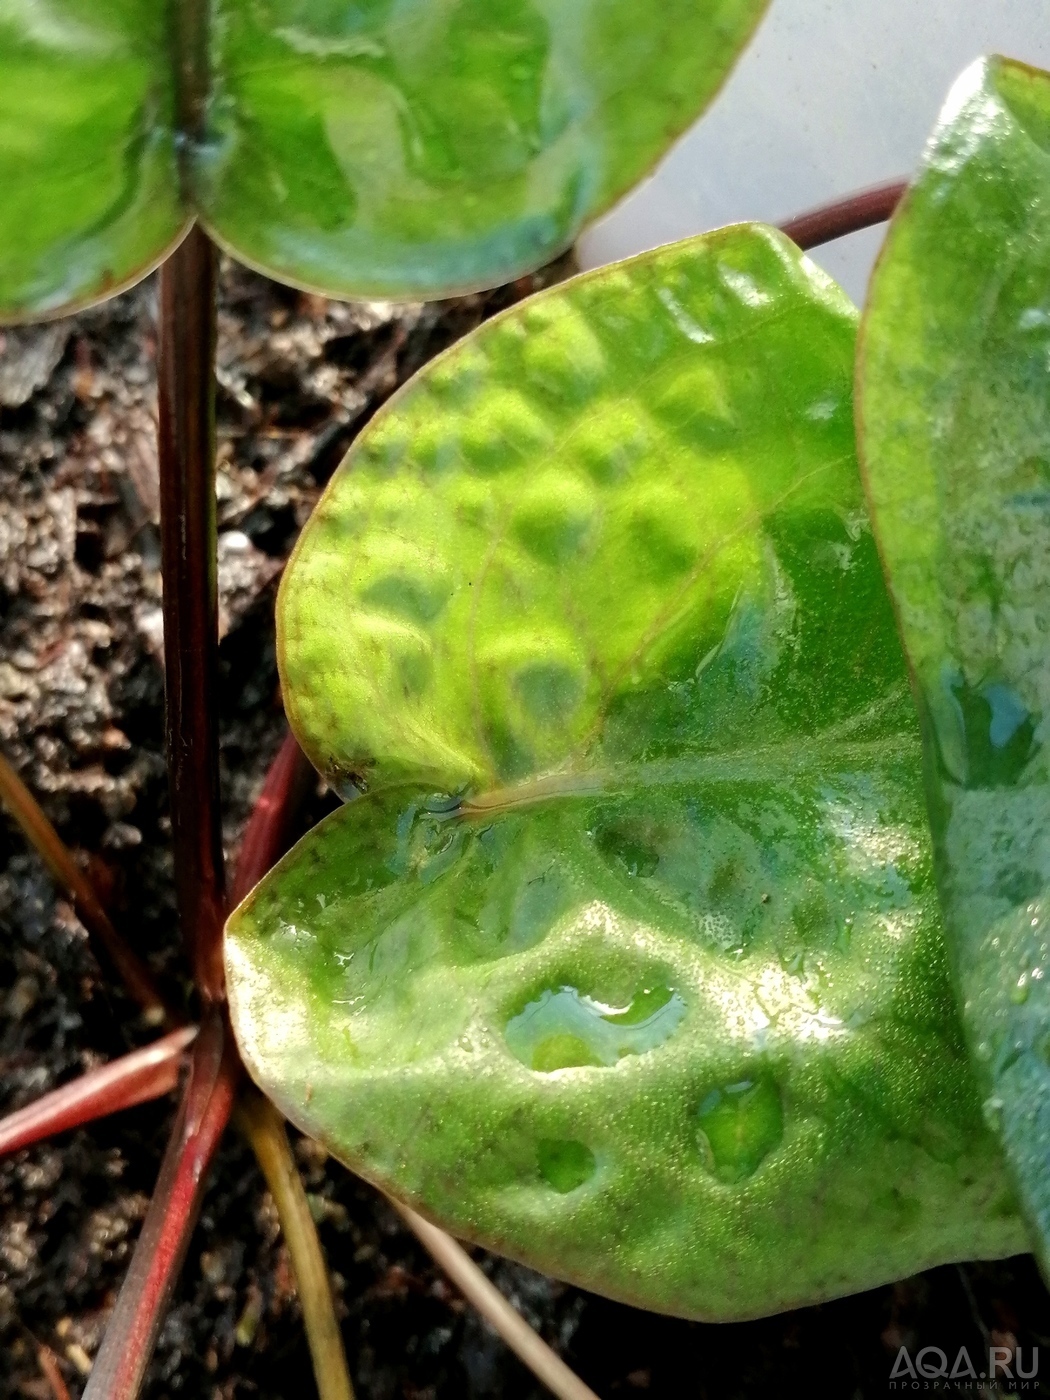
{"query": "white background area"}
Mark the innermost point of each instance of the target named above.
(830, 96)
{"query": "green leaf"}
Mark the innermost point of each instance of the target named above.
(87, 167)
(416, 150)
(955, 384)
(628, 963)
(399, 150)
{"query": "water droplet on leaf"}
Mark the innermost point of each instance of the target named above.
(740, 1125)
(564, 1163)
(564, 1029)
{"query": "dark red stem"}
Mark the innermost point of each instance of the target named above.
(835, 220)
(154, 1070)
(144, 1074)
(48, 1363)
(272, 823)
(186, 446)
(186, 450)
(215, 1070)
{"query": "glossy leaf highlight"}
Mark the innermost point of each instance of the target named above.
(370, 148)
(88, 181)
(628, 962)
(956, 406)
(418, 149)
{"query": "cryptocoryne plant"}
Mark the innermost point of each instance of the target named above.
(377, 148)
(626, 957)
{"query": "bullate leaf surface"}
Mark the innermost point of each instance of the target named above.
(624, 958)
(352, 147)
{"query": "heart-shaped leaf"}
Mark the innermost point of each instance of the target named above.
(628, 962)
(368, 148)
(955, 384)
(88, 175)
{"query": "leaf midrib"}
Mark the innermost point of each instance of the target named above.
(774, 762)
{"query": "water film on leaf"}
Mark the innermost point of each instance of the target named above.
(954, 389)
(355, 149)
(624, 956)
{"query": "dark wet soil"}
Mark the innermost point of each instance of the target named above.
(81, 692)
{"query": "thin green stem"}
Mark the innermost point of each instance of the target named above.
(264, 1128)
